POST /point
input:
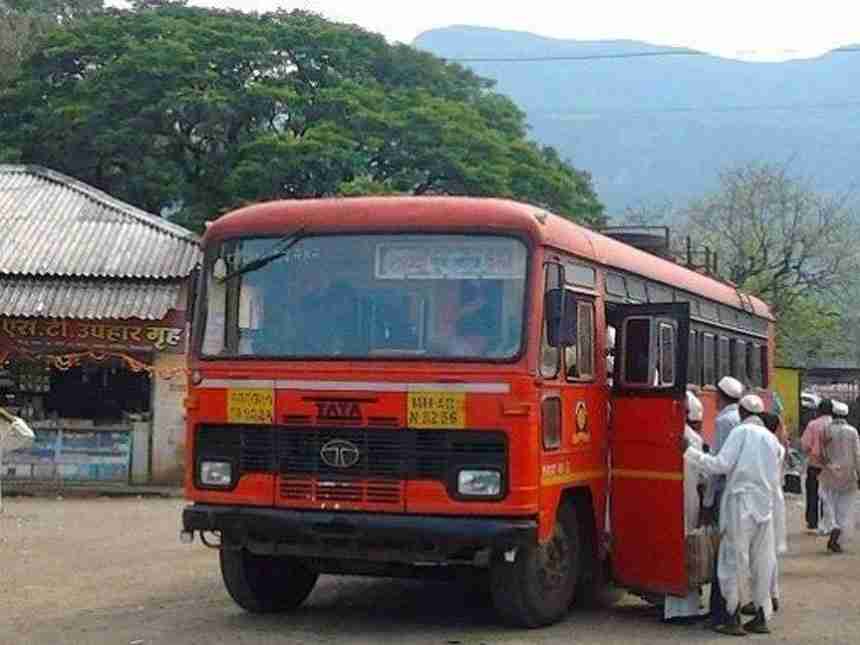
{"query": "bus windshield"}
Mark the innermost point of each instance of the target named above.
(365, 296)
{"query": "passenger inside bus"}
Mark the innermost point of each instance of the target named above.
(472, 322)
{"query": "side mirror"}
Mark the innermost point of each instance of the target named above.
(560, 307)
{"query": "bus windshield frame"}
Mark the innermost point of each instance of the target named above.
(492, 282)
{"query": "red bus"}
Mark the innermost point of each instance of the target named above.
(423, 386)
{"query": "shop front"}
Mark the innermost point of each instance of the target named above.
(92, 392)
(92, 332)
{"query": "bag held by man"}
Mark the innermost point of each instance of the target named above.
(702, 544)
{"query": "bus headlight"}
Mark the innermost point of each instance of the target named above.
(479, 483)
(216, 473)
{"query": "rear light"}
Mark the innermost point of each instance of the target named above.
(550, 413)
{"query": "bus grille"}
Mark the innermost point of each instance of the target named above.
(385, 455)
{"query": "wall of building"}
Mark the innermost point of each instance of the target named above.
(168, 420)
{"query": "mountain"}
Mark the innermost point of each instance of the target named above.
(656, 130)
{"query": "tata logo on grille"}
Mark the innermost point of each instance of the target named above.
(338, 410)
(339, 453)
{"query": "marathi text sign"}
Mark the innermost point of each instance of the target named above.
(119, 335)
(502, 259)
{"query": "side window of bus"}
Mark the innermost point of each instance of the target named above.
(754, 364)
(739, 368)
(550, 355)
(649, 352)
(764, 366)
(709, 359)
(579, 348)
(637, 352)
(666, 349)
(693, 361)
(724, 364)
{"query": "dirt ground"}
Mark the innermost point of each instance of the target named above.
(113, 571)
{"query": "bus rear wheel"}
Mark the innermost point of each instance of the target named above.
(265, 584)
(537, 589)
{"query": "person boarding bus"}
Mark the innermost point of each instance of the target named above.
(729, 392)
(677, 609)
(750, 460)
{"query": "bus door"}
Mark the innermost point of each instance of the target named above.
(647, 419)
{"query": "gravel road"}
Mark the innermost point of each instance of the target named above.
(105, 570)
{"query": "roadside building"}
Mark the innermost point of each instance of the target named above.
(92, 331)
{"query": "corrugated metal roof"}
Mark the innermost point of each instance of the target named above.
(87, 299)
(53, 225)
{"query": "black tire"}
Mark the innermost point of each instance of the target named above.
(537, 589)
(265, 584)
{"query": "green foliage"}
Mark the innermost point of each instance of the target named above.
(24, 23)
(778, 239)
(197, 111)
(810, 330)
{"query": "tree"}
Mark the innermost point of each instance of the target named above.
(778, 239)
(24, 22)
(196, 111)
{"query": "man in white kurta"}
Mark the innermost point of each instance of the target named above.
(729, 392)
(750, 460)
(14, 433)
(689, 606)
(841, 466)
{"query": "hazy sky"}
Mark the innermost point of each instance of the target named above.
(750, 29)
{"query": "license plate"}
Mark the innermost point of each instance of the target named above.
(250, 406)
(436, 410)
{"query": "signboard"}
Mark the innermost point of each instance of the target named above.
(71, 455)
(161, 336)
(495, 259)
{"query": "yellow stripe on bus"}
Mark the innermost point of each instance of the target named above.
(569, 478)
(647, 474)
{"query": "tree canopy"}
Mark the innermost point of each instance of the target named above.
(780, 240)
(194, 111)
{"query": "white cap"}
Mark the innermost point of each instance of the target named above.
(752, 403)
(840, 409)
(695, 412)
(731, 387)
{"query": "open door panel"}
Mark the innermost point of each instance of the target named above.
(647, 419)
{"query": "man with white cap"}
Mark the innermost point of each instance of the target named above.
(729, 392)
(817, 513)
(749, 459)
(841, 468)
(684, 608)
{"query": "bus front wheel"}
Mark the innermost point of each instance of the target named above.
(537, 588)
(265, 584)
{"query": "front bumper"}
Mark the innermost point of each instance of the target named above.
(361, 536)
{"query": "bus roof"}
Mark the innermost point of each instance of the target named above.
(469, 214)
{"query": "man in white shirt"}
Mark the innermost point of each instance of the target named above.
(841, 466)
(749, 459)
(729, 392)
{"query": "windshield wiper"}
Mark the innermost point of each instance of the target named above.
(284, 245)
